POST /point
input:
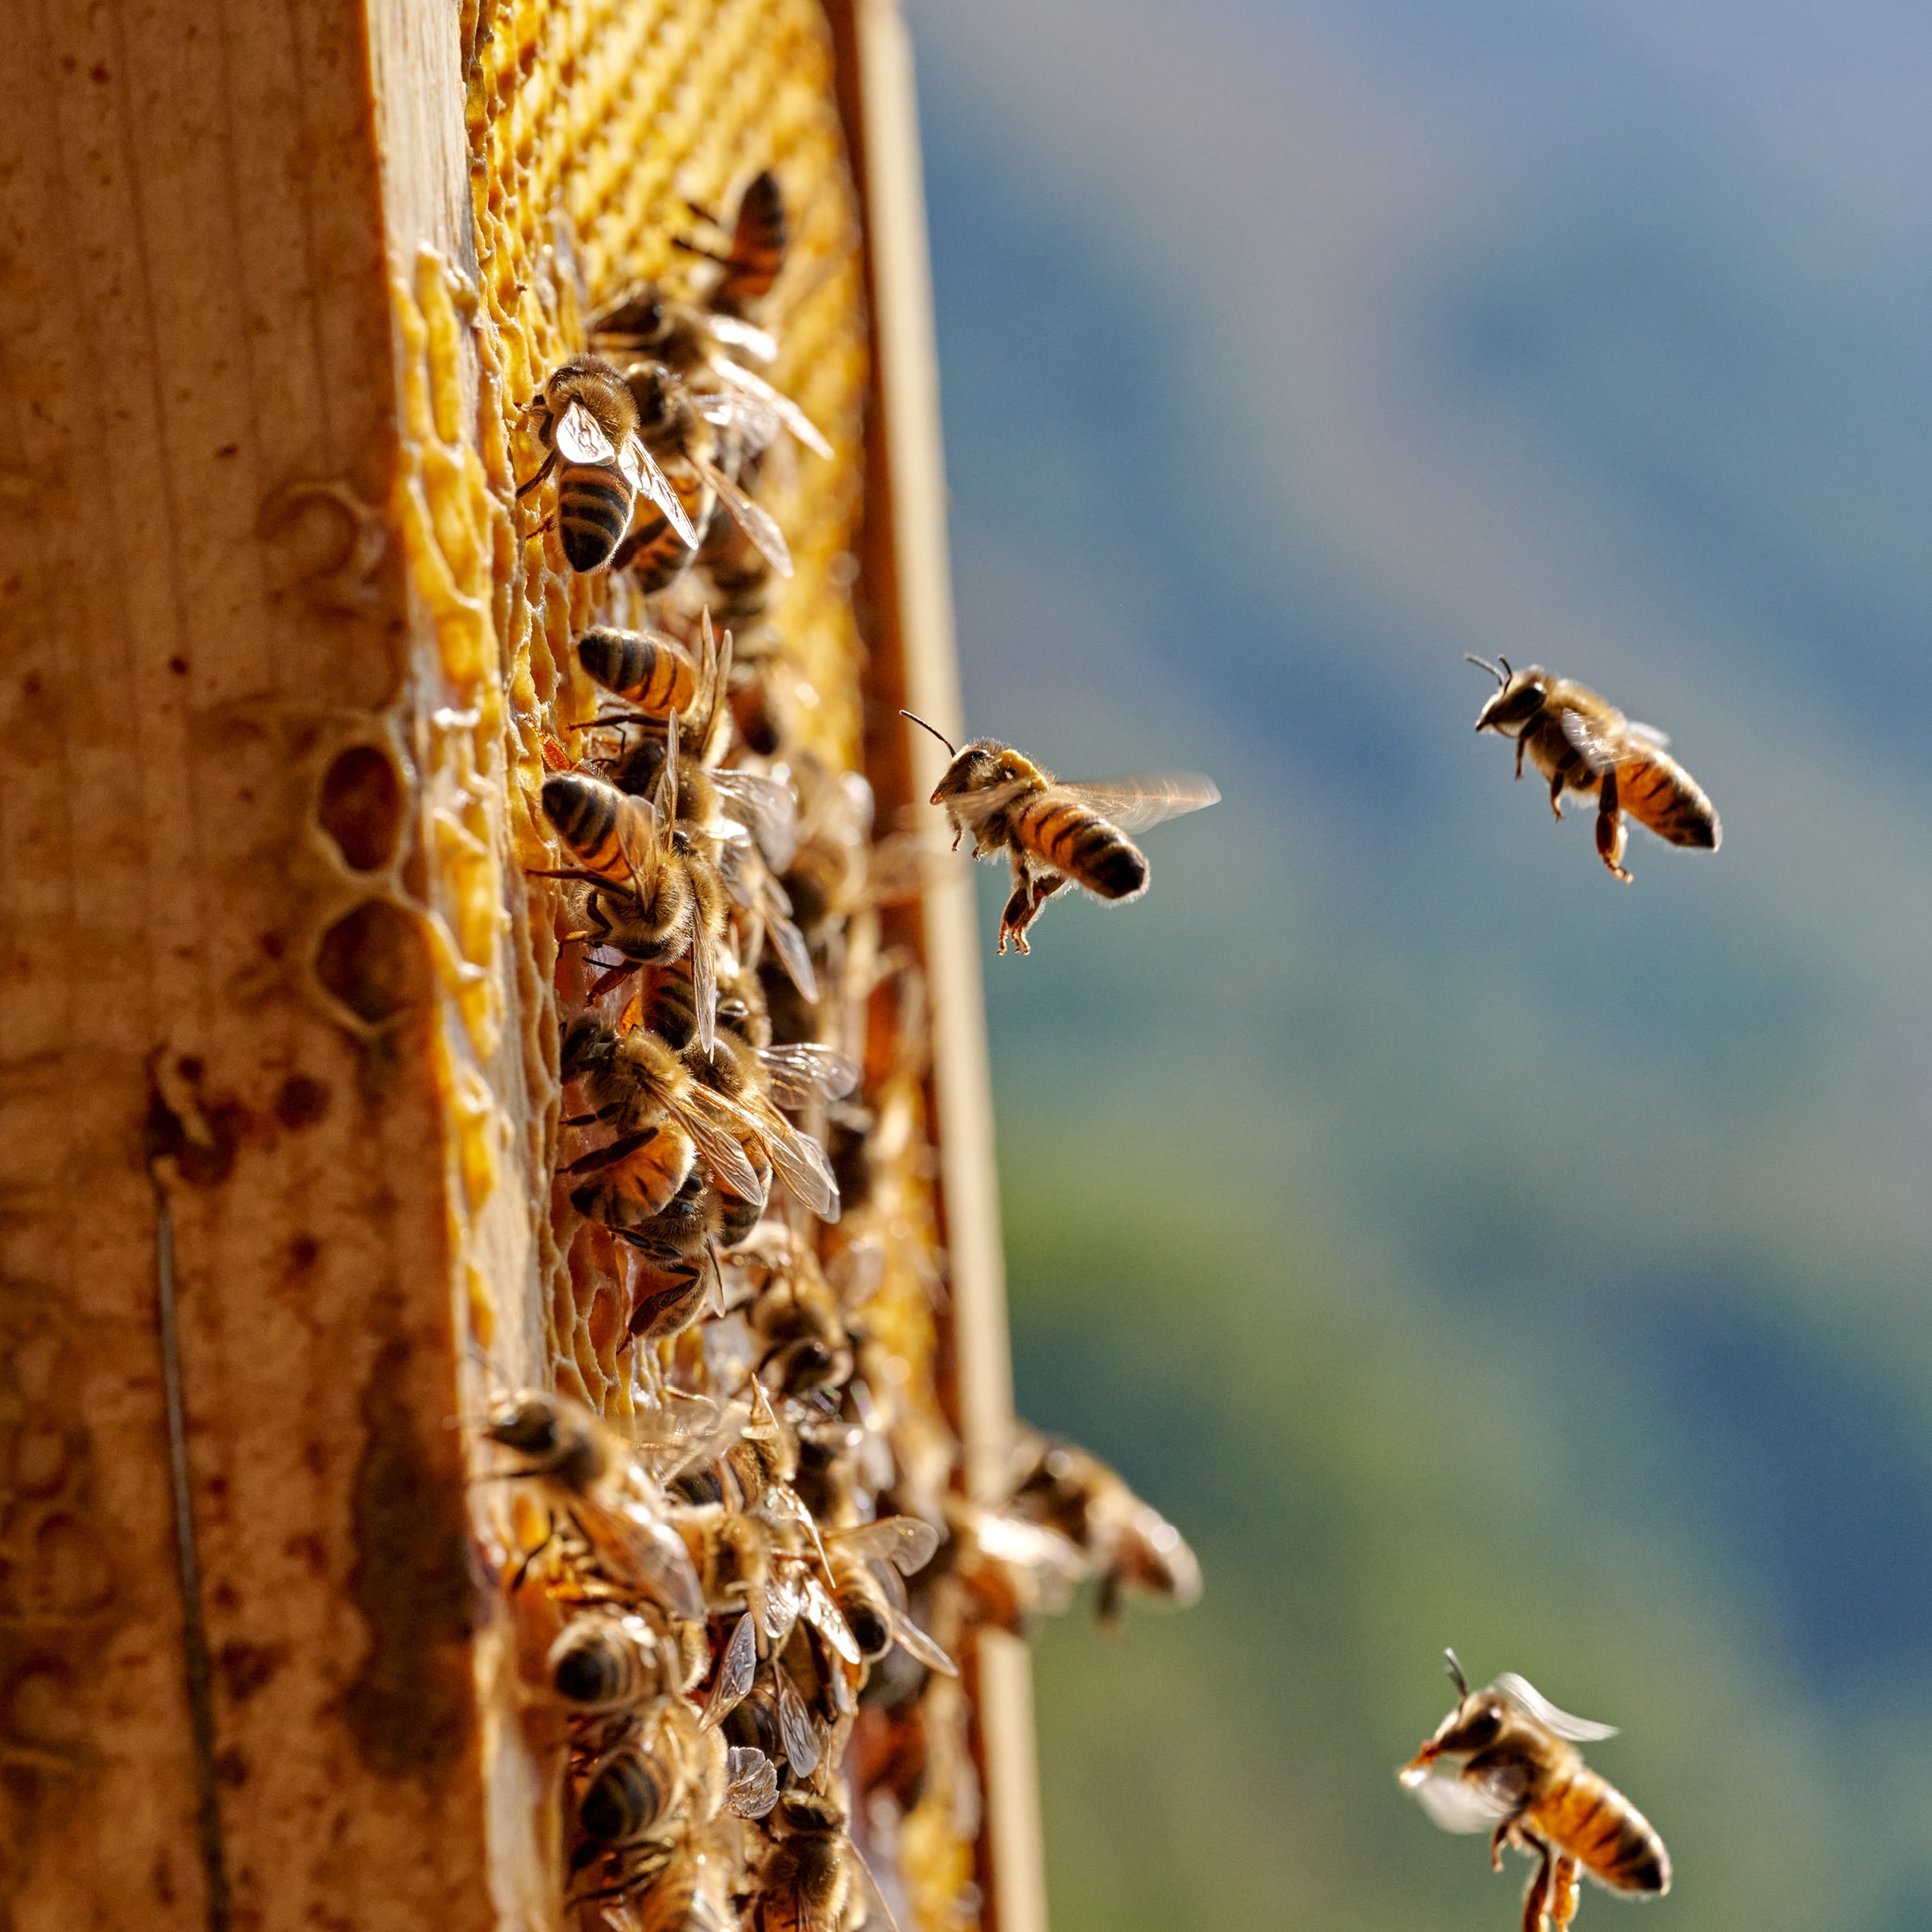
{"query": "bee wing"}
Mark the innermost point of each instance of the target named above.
(916, 1643)
(642, 467)
(798, 1729)
(1647, 735)
(1597, 742)
(799, 1075)
(704, 987)
(788, 943)
(1133, 804)
(755, 342)
(974, 808)
(906, 1542)
(1455, 1805)
(789, 413)
(769, 808)
(784, 1599)
(754, 519)
(869, 1885)
(581, 438)
(735, 1669)
(828, 1620)
(644, 1550)
(709, 1119)
(751, 423)
(638, 840)
(750, 1781)
(799, 1159)
(1520, 1691)
(903, 864)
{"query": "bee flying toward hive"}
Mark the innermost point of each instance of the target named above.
(1055, 832)
(1505, 1762)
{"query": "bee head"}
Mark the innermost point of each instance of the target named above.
(528, 1424)
(1520, 695)
(983, 764)
(1474, 1725)
(660, 398)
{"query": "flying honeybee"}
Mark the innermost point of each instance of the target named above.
(752, 264)
(1504, 1761)
(595, 1486)
(586, 420)
(1581, 743)
(1053, 832)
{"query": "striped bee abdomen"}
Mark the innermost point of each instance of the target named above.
(756, 247)
(1656, 791)
(592, 509)
(649, 671)
(628, 1796)
(598, 1664)
(1082, 845)
(1598, 1826)
(584, 813)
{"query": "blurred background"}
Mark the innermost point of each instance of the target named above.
(1461, 1246)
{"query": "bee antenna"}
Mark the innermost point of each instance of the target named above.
(1504, 662)
(1455, 1673)
(1484, 664)
(939, 734)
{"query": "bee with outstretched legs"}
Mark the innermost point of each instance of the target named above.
(1583, 743)
(1505, 1762)
(586, 420)
(1052, 833)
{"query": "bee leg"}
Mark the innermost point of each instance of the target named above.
(1556, 794)
(1610, 827)
(1521, 742)
(1563, 1887)
(1537, 1897)
(543, 469)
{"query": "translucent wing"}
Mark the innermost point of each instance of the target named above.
(754, 519)
(1454, 1805)
(581, 438)
(789, 413)
(974, 808)
(1647, 735)
(784, 1599)
(757, 342)
(788, 943)
(709, 1119)
(1133, 804)
(704, 987)
(828, 1620)
(638, 840)
(1596, 743)
(1520, 1691)
(635, 1547)
(735, 1669)
(798, 1729)
(751, 423)
(641, 467)
(916, 1643)
(906, 1542)
(801, 1162)
(750, 1781)
(873, 1896)
(769, 808)
(799, 1075)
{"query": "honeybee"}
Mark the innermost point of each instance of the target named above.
(606, 1660)
(795, 1318)
(639, 1084)
(1055, 832)
(586, 421)
(1129, 1541)
(738, 1075)
(810, 1877)
(699, 438)
(702, 347)
(756, 256)
(867, 1562)
(650, 895)
(1503, 1761)
(654, 673)
(1013, 1570)
(1583, 743)
(590, 1480)
(645, 1778)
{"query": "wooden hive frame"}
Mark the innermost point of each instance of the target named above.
(277, 1109)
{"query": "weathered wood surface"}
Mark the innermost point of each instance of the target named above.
(196, 328)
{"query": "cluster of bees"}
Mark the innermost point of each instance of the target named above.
(739, 1595)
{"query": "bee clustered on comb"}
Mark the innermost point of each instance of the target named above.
(739, 1563)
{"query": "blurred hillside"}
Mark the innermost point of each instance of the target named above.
(1465, 1248)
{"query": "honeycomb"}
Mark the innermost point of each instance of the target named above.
(600, 133)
